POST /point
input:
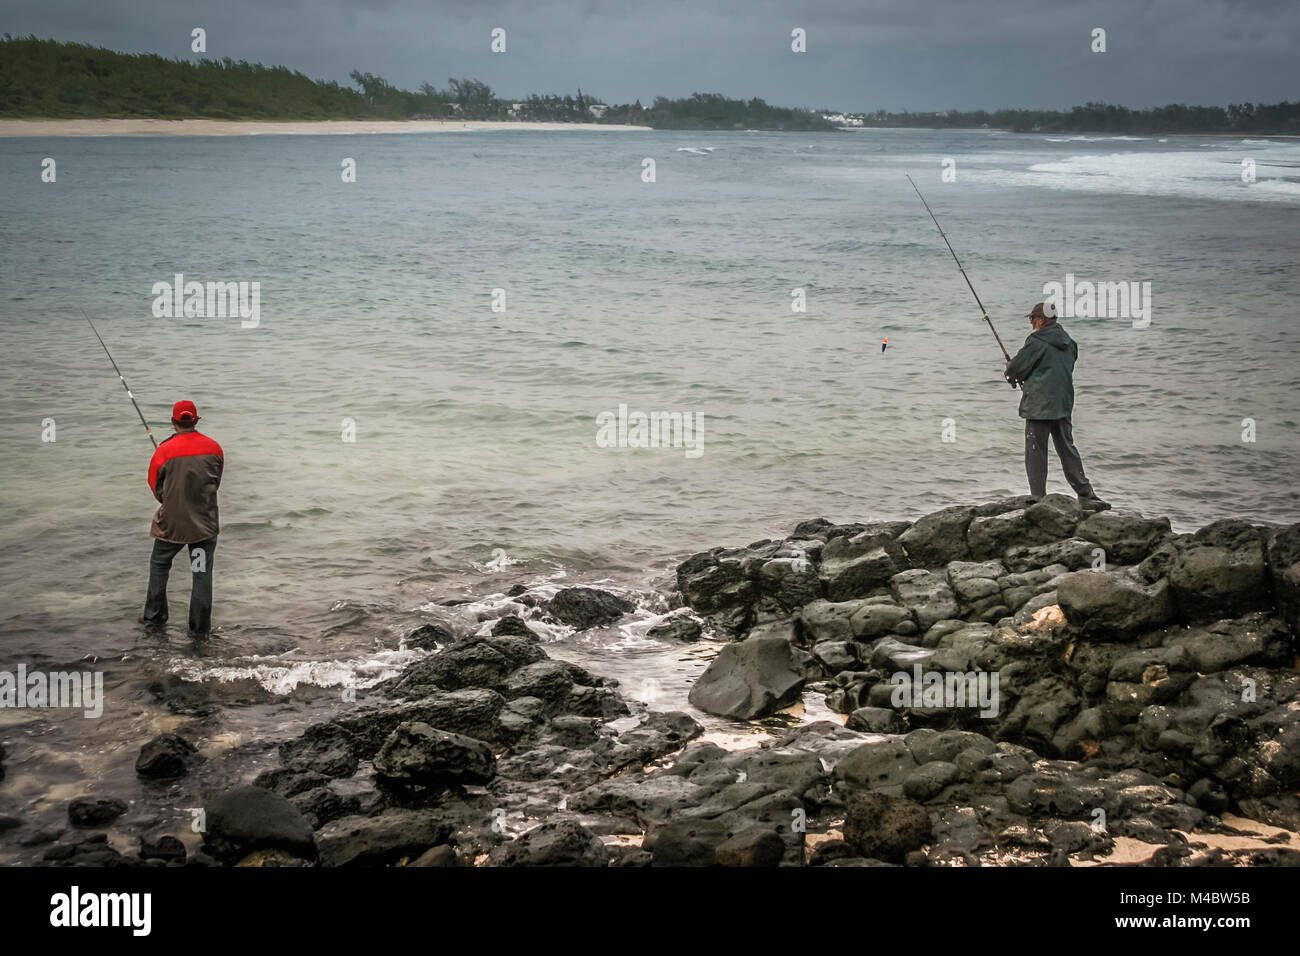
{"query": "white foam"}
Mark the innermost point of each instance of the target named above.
(1095, 139)
(1185, 173)
(282, 678)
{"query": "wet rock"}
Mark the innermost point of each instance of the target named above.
(437, 856)
(719, 585)
(289, 781)
(1284, 570)
(938, 538)
(812, 528)
(1256, 639)
(882, 766)
(571, 731)
(875, 720)
(752, 679)
(836, 656)
(885, 828)
(755, 846)
(166, 756)
(628, 856)
(560, 843)
(331, 763)
(827, 620)
(990, 536)
(1220, 572)
(585, 608)
(1074, 553)
(472, 712)
(1073, 836)
(927, 594)
(320, 805)
(95, 811)
(852, 567)
(786, 629)
(649, 800)
(380, 840)
(928, 781)
(962, 573)
(680, 625)
(893, 655)
(548, 681)
(472, 663)
(1080, 737)
(513, 626)
(1056, 515)
(1055, 789)
(687, 843)
(1126, 536)
(166, 847)
(91, 851)
(875, 620)
(659, 733)
(790, 582)
(1040, 710)
(957, 835)
(603, 702)
(420, 755)
(245, 819)
(1019, 589)
(1112, 603)
(429, 637)
(928, 746)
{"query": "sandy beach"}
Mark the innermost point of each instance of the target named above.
(199, 127)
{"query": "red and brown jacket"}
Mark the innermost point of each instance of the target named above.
(184, 475)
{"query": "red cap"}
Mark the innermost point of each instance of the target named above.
(185, 412)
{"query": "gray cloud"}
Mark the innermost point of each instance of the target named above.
(894, 54)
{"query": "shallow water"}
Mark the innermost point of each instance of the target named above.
(476, 465)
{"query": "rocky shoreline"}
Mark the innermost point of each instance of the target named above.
(1019, 683)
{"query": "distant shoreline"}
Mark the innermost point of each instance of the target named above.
(1061, 132)
(13, 128)
(205, 127)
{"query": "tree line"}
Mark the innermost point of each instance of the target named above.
(1279, 118)
(49, 79)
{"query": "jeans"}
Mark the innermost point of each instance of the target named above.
(1037, 431)
(160, 562)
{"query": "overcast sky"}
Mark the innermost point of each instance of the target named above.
(862, 54)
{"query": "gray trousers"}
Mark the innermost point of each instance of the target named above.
(160, 563)
(1037, 431)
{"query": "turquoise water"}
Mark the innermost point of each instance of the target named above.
(476, 430)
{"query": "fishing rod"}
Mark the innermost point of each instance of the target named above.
(148, 431)
(963, 273)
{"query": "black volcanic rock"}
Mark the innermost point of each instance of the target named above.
(585, 608)
(95, 811)
(246, 819)
(166, 756)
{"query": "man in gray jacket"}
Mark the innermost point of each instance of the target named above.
(1044, 370)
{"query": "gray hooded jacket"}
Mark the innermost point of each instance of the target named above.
(1044, 370)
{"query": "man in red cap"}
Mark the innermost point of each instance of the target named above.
(184, 475)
